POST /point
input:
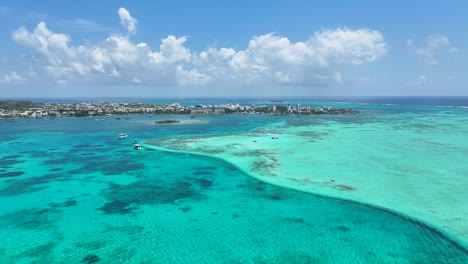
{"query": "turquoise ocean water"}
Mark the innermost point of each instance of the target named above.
(71, 192)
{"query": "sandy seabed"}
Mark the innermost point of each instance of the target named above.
(413, 164)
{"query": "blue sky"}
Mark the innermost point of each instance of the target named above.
(232, 48)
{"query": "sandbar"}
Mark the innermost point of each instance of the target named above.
(414, 171)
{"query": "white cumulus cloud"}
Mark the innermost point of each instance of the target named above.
(267, 59)
(127, 20)
(270, 58)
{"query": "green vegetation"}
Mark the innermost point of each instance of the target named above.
(167, 121)
(17, 105)
(230, 111)
(182, 112)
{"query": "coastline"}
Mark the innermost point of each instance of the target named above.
(229, 147)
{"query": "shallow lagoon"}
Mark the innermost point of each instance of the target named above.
(413, 163)
(71, 192)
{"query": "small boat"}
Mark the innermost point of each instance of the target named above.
(192, 117)
(121, 136)
(137, 146)
(11, 119)
(117, 117)
(274, 137)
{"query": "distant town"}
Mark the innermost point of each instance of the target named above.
(26, 109)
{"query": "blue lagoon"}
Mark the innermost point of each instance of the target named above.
(385, 186)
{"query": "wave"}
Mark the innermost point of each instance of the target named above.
(452, 106)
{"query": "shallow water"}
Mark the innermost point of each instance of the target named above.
(71, 192)
(411, 162)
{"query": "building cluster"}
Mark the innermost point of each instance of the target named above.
(269, 109)
(91, 109)
(110, 108)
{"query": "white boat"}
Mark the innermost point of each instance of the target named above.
(137, 146)
(121, 136)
